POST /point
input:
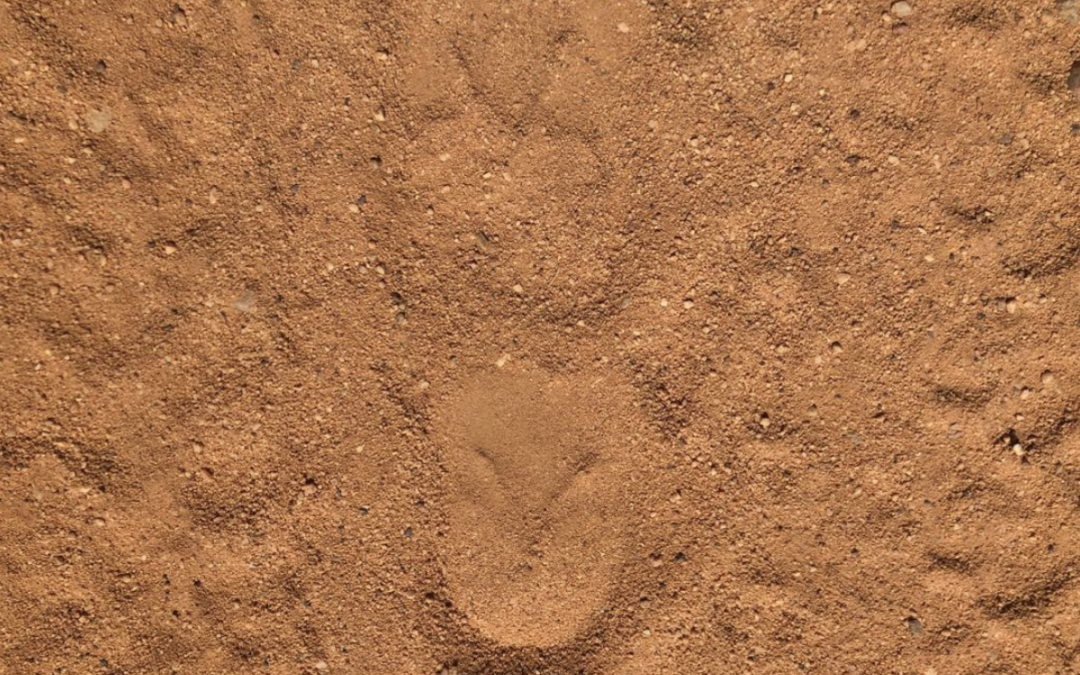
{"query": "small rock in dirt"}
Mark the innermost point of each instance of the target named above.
(244, 303)
(914, 625)
(901, 9)
(98, 120)
(1074, 79)
(1069, 11)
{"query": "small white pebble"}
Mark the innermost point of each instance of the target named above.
(1069, 11)
(244, 303)
(623, 28)
(901, 9)
(857, 45)
(98, 120)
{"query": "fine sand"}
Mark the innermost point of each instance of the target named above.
(529, 337)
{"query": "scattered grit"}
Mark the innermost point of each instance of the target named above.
(520, 336)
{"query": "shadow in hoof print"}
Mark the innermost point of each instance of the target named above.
(538, 505)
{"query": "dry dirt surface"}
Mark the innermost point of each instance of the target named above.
(539, 337)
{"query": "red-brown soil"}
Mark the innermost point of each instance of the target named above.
(480, 337)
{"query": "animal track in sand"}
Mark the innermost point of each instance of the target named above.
(537, 503)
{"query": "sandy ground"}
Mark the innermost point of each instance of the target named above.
(518, 337)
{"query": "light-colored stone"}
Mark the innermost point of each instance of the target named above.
(902, 9)
(98, 120)
(1069, 11)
